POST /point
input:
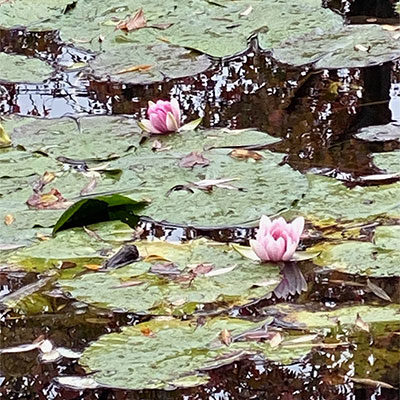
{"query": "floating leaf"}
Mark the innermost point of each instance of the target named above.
(193, 159)
(177, 353)
(181, 287)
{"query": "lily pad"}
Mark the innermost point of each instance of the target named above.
(340, 203)
(145, 64)
(16, 68)
(389, 161)
(75, 245)
(168, 353)
(380, 133)
(201, 273)
(351, 47)
(346, 316)
(202, 192)
(378, 260)
(66, 138)
(215, 28)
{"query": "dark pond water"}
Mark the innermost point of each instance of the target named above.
(316, 123)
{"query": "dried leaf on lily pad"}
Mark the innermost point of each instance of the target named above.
(161, 360)
(134, 22)
(194, 159)
(5, 140)
(243, 154)
(198, 273)
(52, 200)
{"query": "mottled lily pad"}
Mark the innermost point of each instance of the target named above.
(345, 316)
(389, 161)
(330, 201)
(168, 353)
(96, 138)
(352, 46)
(381, 259)
(203, 272)
(16, 68)
(380, 133)
(216, 28)
(144, 64)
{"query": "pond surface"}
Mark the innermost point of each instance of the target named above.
(318, 120)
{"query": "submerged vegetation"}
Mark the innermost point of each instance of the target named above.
(199, 199)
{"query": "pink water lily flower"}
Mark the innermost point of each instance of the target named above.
(277, 240)
(164, 116)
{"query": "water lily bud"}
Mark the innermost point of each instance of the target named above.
(164, 117)
(277, 240)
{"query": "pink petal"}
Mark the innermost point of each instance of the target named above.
(290, 249)
(148, 126)
(176, 110)
(158, 123)
(275, 248)
(171, 123)
(297, 227)
(259, 250)
(264, 227)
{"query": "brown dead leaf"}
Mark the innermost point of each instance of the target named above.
(92, 267)
(89, 187)
(154, 257)
(42, 237)
(147, 332)
(377, 291)
(158, 146)
(200, 269)
(276, 340)
(44, 180)
(192, 159)
(360, 323)
(164, 39)
(225, 337)
(135, 68)
(243, 154)
(371, 382)
(132, 23)
(67, 265)
(52, 200)
(9, 219)
(165, 269)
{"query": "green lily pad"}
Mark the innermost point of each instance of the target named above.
(224, 278)
(175, 353)
(329, 201)
(380, 133)
(63, 137)
(16, 68)
(378, 317)
(148, 174)
(216, 28)
(378, 260)
(351, 47)
(73, 245)
(35, 15)
(145, 64)
(389, 161)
